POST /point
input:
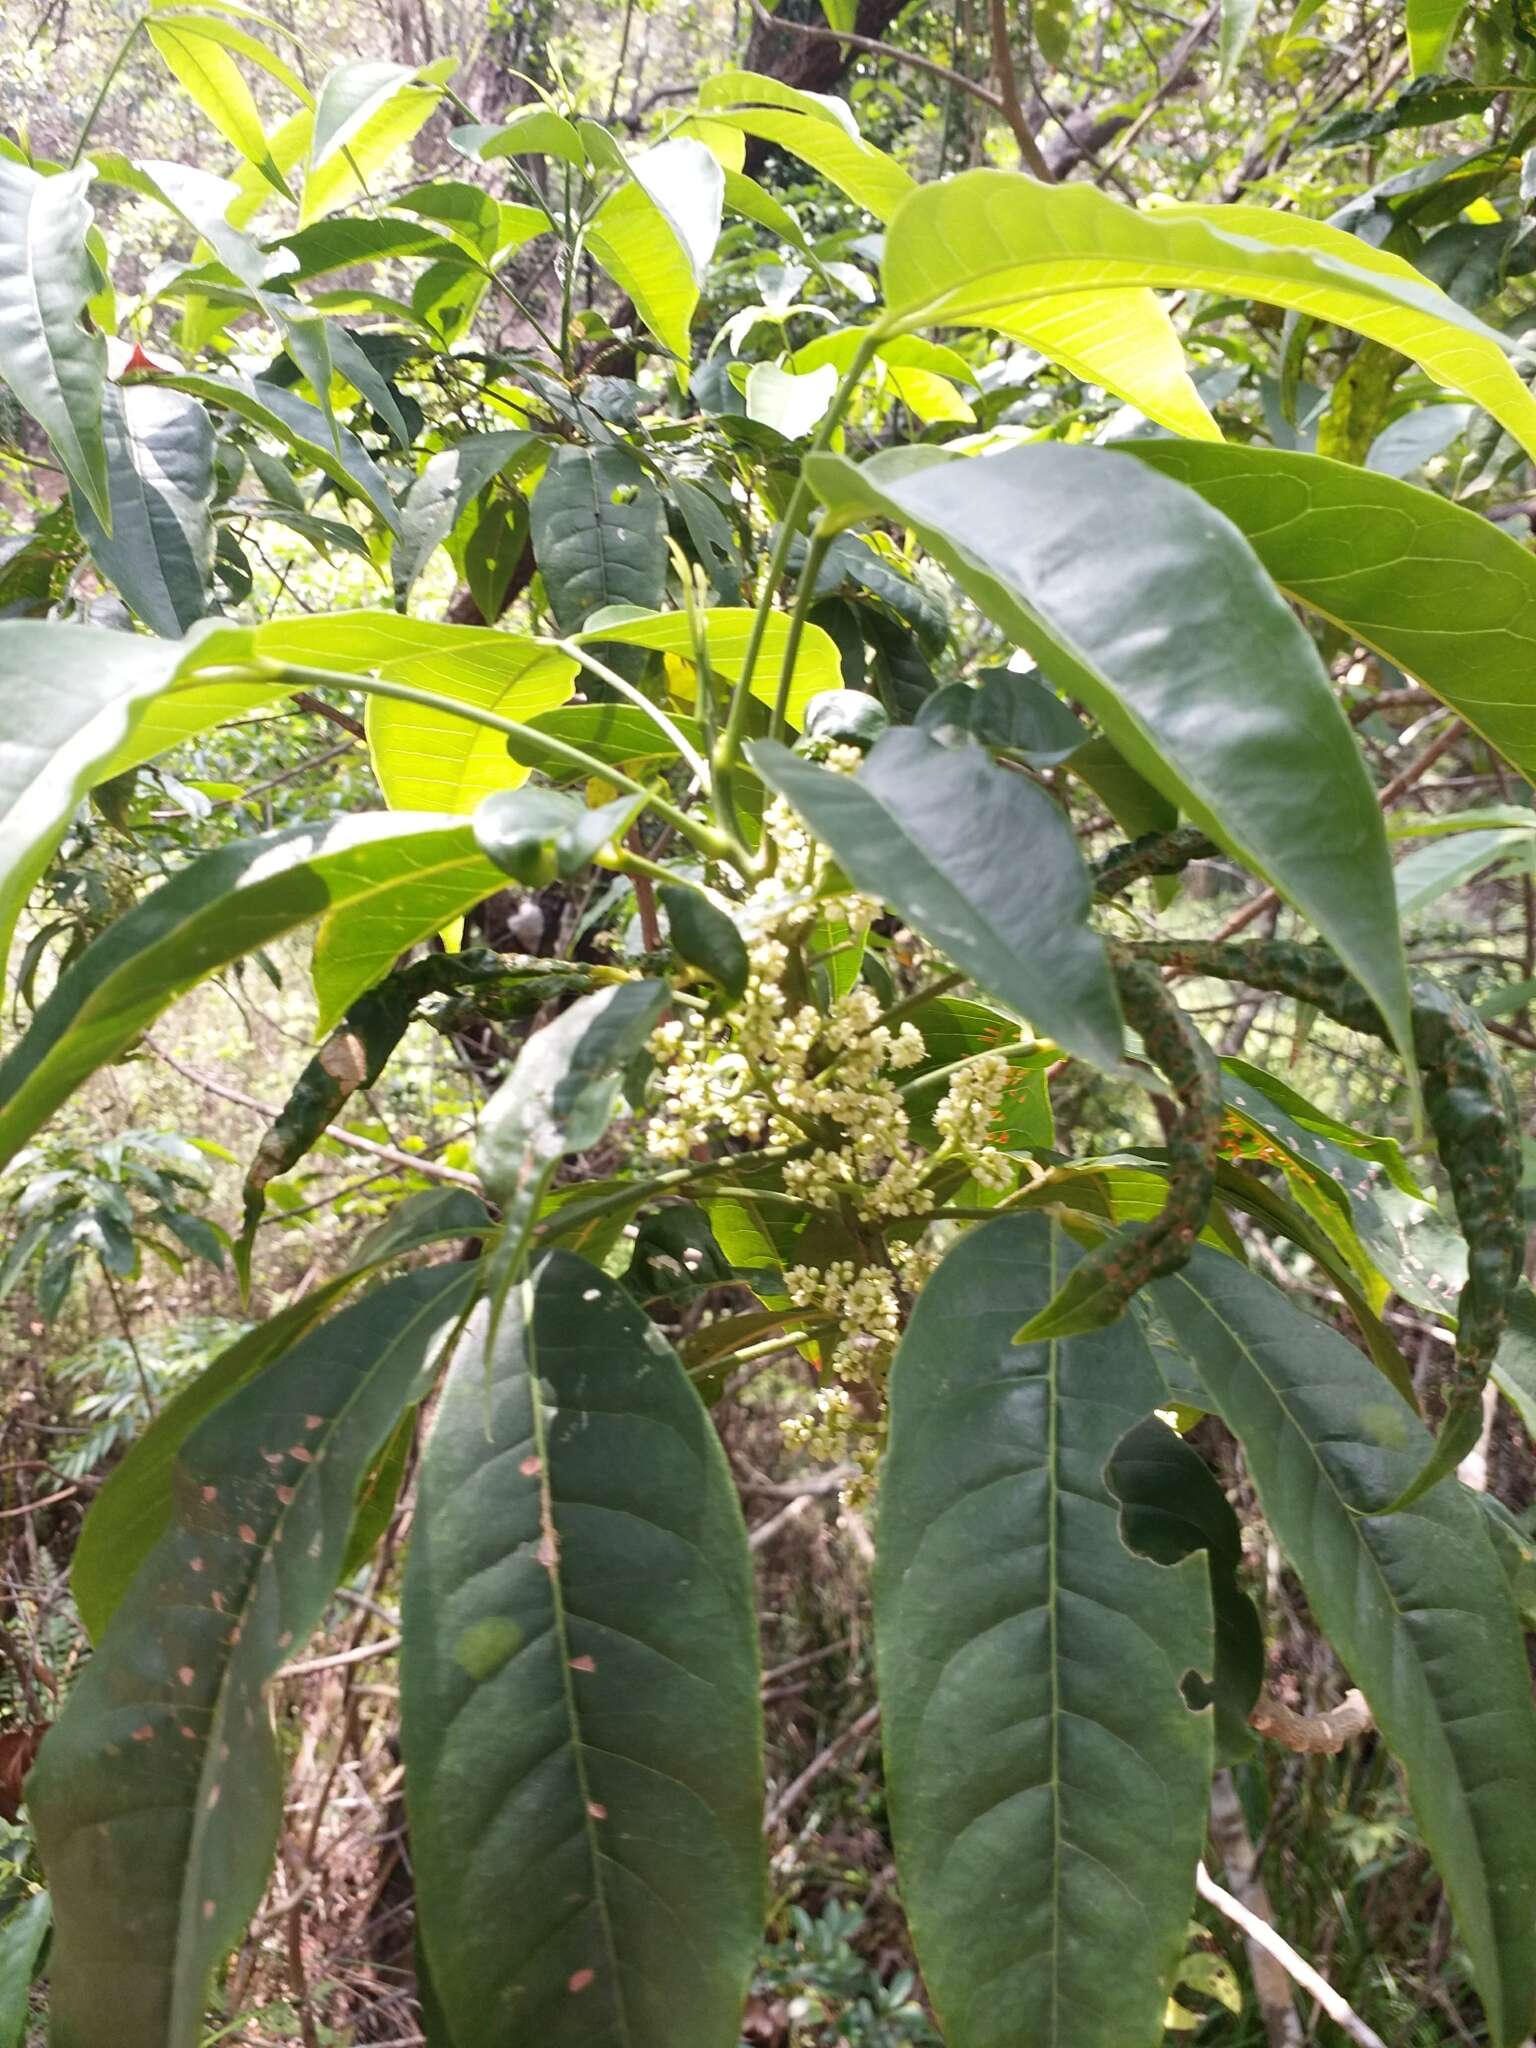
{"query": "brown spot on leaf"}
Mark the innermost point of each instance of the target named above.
(285, 1495)
(186, 1674)
(313, 1421)
(580, 1979)
(213, 1797)
(597, 1811)
(345, 1058)
(210, 1493)
(530, 1467)
(548, 1552)
(208, 1909)
(583, 1663)
(305, 1457)
(144, 1734)
(198, 1564)
(247, 1533)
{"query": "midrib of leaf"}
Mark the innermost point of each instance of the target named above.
(1351, 1514)
(189, 2015)
(549, 1536)
(1053, 1540)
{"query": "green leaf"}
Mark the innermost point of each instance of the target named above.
(1433, 871)
(976, 249)
(727, 635)
(617, 735)
(1431, 25)
(442, 494)
(706, 938)
(1514, 1370)
(1188, 656)
(157, 1794)
(224, 904)
(955, 1028)
(54, 366)
(539, 835)
(134, 1506)
(532, 131)
(159, 551)
(1237, 20)
(1170, 1505)
(426, 758)
(868, 176)
(581, 1726)
(1031, 1667)
(289, 418)
(843, 15)
(559, 1097)
(366, 112)
(599, 534)
(1414, 1603)
(215, 83)
(1390, 563)
(352, 952)
(789, 403)
(22, 1935)
(655, 236)
(924, 828)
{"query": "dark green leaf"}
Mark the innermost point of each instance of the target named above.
(536, 835)
(1414, 1602)
(942, 834)
(159, 552)
(56, 367)
(1188, 656)
(580, 1717)
(599, 534)
(1170, 1505)
(1032, 1668)
(706, 938)
(440, 496)
(157, 1797)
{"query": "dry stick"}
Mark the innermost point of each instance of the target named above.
(879, 49)
(1313, 1734)
(1263, 1936)
(320, 709)
(789, 1798)
(1008, 84)
(1398, 786)
(371, 1146)
(1272, 1987)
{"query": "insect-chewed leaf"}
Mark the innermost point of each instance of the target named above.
(1031, 1667)
(1414, 1602)
(156, 1797)
(581, 1722)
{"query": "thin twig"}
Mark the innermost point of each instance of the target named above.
(879, 49)
(1013, 112)
(1264, 1936)
(790, 1797)
(380, 1646)
(427, 1167)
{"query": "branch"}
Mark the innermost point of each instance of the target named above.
(318, 708)
(1263, 1936)
(789, 1798)
(1312, 1734)
(879, 49)
(1002, 58)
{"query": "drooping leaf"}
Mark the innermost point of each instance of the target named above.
(442, 493)
(223, 905)
(22, 1934)
(559, 1097)
(936, 832)
(1390, 564)
(1032, 1668)
(56, 368)
(580, 1717)
(85, 693)
(599, 534)
(1413, 1602)
(159, 552)
(134, 1506)
(1163, 653)
(302, 426)
(980, 247)
(214, 81)
(655, 235)
(157, 1795)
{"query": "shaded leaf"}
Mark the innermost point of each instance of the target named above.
(599, 534)
(159, 552)
(580, 1717)
(1414, 1602)
(157, 1795)
(1031, 1667)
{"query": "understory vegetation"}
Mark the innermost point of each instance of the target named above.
(768, 878)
